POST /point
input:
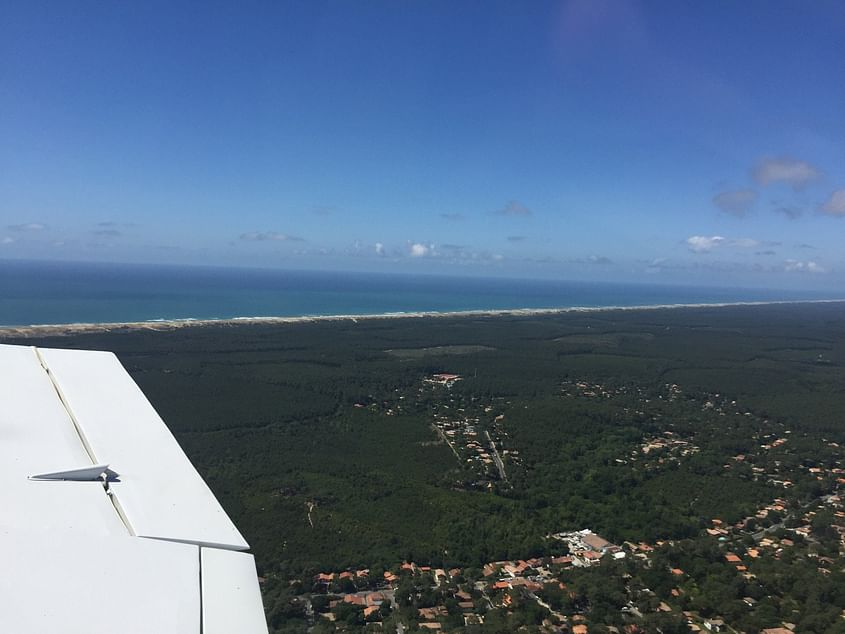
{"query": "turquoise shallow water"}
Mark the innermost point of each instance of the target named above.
(62, 293)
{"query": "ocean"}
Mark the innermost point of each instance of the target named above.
(66, 293)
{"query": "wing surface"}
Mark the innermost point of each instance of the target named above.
(106, 526)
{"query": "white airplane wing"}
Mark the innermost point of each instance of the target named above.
(105, 526)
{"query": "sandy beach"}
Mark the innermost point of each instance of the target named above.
(52, 330)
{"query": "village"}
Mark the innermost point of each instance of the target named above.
(464, 596)
(474, 433)
(547, 593)
(419, 597)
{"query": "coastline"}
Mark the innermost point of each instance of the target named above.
(164, 325)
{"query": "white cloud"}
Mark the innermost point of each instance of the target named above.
(264, 236)
(7, 240)
(704, 244)
(835, 206)
(419, 250)
(592, 259)
(457, 254)
(514, 208)
(29, 226)
(379, 247)
(737, 202)
(798, 266)
(787, 170)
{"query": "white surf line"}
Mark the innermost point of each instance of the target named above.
(156, 324)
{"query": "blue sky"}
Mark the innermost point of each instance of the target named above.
(698, 143)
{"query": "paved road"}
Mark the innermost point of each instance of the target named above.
(446, 440)
(496, 458)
